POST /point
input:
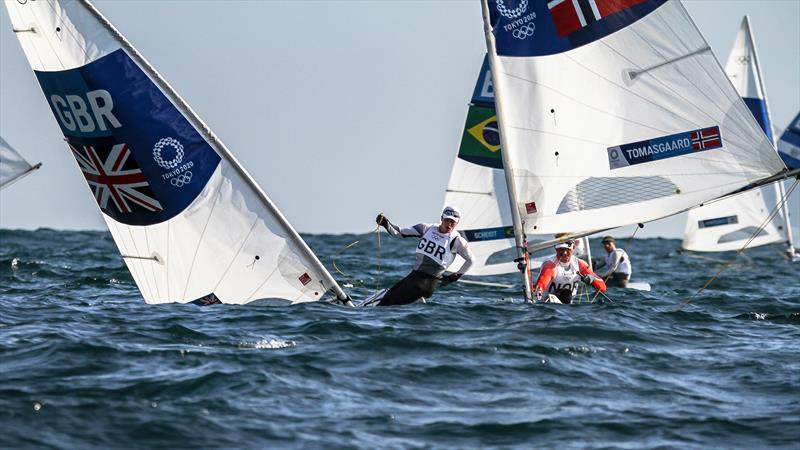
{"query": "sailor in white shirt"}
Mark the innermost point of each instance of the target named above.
(436, 250)
(617, 264)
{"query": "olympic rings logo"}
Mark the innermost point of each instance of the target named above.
(164, 142)
(524, 31)
(743, 59)
(182, 179)
(512, 13)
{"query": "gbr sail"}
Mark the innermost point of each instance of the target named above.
(615, 113)
(730, 223)
(190, 222)
(12, 165)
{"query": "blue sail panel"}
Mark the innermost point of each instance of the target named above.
(540, 27)
(484, 88)
(789, 144)
(142, 159)
(758, 107)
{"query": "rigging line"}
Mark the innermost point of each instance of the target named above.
(595, 108)
(701, 110)
(352, 244)
(738, 252)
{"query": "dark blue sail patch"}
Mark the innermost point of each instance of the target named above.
(541, 27)
(488, 234)
(717, 222)
(142, 159)
(664, 147)
(484, 88)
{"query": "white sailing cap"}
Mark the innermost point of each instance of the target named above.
(451, 212)
(565, 244)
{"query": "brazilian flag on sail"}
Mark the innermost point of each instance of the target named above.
(480, 143)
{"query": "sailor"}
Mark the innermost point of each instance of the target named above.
(617, 264)
(436, 251)
(558, 278)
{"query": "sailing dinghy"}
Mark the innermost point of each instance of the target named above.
(612, 114)
(12, 165)
(191, 224)
(743, 219)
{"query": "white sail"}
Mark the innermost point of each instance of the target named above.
(190, 222)
(12, 165)
(478, 186)
(615, 113)
(729, 224)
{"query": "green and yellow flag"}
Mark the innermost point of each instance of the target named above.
(480, 143)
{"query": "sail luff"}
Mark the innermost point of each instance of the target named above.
(219, 146)
(780, 190)
(519, 227)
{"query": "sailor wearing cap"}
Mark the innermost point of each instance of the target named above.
(558, 278)
(617, 263)
(437, 249)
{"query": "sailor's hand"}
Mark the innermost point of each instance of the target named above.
(588, 279)
(538, 295)
(451, 278)
(382, 220)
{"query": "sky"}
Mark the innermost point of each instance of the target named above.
(339, 109)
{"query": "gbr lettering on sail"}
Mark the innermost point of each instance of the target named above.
(85, 114)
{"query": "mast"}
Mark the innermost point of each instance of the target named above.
(780, 190)
(519, 226)
(217, 144)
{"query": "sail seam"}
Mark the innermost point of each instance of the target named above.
(199, 242)
(238, 251)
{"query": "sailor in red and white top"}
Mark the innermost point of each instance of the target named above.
(558, 278)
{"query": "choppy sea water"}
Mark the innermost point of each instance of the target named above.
(84, 363)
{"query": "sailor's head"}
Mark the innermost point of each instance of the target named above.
(564, 250)
(609, 243)
(450, 218)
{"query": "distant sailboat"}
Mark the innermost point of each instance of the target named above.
(614, 114)
(730, 223)
(192, 225)
(789, 144)
(12, 165)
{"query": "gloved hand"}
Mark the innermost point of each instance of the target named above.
(381, 220)
(538, 295)
(450, 278)
(588, 279)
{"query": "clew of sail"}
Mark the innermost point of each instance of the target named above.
(615, 114)
(729, 223)
(789, 144)
(12, 165)
(190, 222)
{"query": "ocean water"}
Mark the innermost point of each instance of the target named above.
(84, 363)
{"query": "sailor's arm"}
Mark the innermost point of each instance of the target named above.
(546, 274)
(614, 265)
(462, 249)
(589, 277)
(395, 231)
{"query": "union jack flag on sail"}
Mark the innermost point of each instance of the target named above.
(707, 138)
(571, 15)
(112, 173)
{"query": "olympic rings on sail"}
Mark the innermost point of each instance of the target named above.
(524, 31)
(182, 179)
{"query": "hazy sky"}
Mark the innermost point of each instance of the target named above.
(339, 109)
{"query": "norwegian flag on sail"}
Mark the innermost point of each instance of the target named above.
(707, 138)
(113, 174)
(571, 15)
